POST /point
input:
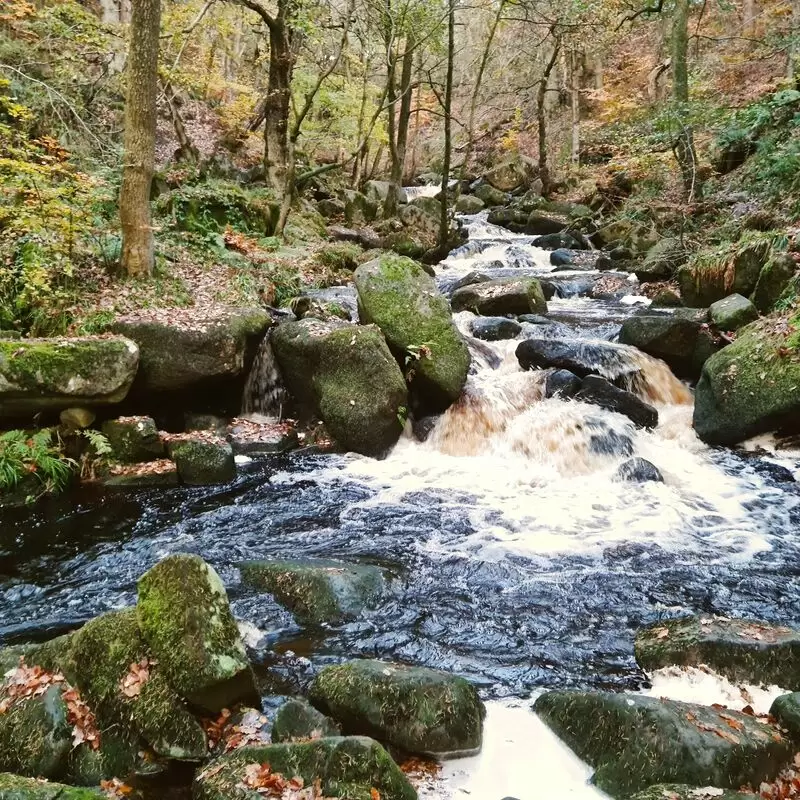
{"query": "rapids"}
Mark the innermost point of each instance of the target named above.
(514, 557)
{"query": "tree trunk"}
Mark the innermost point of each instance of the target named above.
(684, 144)
(276, 107)
(541, 115)
(140, 139)
(575, 104)
(401, 130)
(444, 219)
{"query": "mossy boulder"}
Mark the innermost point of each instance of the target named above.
(418, 709)
(772, 280)
(682, 791)
(196, 352)
(316, 590)
(786, 710)
(15, 787)
(469, 204)
(402, 300)
(511, 174)
(133, 439)
(54, 374)
(634, 742)
(297, 719)
(377, 193)
(500, 297)
(358, 210)
(489, 195)
(662, 260)
(749, 651)
(202, 460)
(185, 617)
(361, 393)
(732, 312)
(749, 387)
(353, 768)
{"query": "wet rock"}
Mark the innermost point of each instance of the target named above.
(417, 709)
(773, 280)
(489, 195)
(250, 437)
(607, 442)
(786, 710)
(662, 260)
(634, 742)
(512, 219)
(297, 719)
(397, 296)
(202, 460)
(666, 298)
(469, 279)
(561, 258)
(743, 650)
(559, 241)
(353, 767)
(76, 419)
(15, 787)
(185, 617)
(733, 312)
(600, 392)
(563, 383)
(581, 357)
(671, 338)
(54, 374)
(610, 287)
(469, 204)
(621, 254)
(502, 296)
(493, 329)
(133, 439)
(424, 427)
(639, 470)
(316, 590)
(534, 319)
(682, 791)
(745, 389)
(142, 476)
(205, 422)
(549, 289)
(541, 224)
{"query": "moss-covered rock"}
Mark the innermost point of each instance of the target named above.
(662, 260)
(500, 297)
(360, 390)
(141, 476)
(316, 590)
(352, 768)
(133, 439)
(202, 460)
(403, 301)
(420, 710)
(15, 787)
(53, 374)
(634, 742)
(732, 312)
(772, 280)
(191, 354)
(185, 617)
(296, 719)
(490, 196)
(743, 650)
(357, 209)
(511, 174)
(682, 791)
(469, 204)
(751, 386)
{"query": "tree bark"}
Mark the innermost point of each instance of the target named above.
(575, 104)
(444, 219)
(139, 139)
(276, 107)
(541, 114)
(398, 152)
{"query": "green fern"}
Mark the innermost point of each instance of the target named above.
(99, 442)
(38, 455)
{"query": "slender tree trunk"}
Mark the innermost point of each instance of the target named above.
(748, 17)
(541, 115)
(139, 139)
(186, 150)
(575, 104)
(684, 145)
(401, 131)
(362, 122)
(444, 219)
(276, 108)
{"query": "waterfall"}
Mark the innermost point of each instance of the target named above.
(264, 392)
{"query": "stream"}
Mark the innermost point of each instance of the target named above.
(514, 557)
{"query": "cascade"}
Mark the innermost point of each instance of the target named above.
(264, 392)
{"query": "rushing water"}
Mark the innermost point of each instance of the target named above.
(514, 556)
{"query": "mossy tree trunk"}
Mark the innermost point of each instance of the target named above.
(140, 139)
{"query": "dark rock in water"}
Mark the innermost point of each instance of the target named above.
(352, 766)
(562, 382)
(539, 224)
(666, 298)
(581, 357)
(423, 427)
(202, 461)
(786, 709)
(732, 312)
(682, 791)
(417, 709)
(621, 254)
(559, 241)
(534, 319)
(549, 289)
(482, 355)
(297, 719)
(560, 258)
(503, 296)
(185, 617)
(469, 279)
(316, 590)
(634, 742)
(518, 258)
(133, 439)
(600, 392)
(493, 329)
(639, 470)
(743, 650)
(607, 442)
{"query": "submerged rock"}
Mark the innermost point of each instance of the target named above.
(634, 742)
(502, 296)
(420, 710)
(600, 392)
(316, 590)
(733, 312)
(639, 470)
(494, 329)
(396, 295)
(578, 356)
(297, 719)
(55, 374)
(749, 387)
(133, 439)
(353, 767)
(202, 460)
(185, 617)
(674, 339)
(743, 650)
(562, 383)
